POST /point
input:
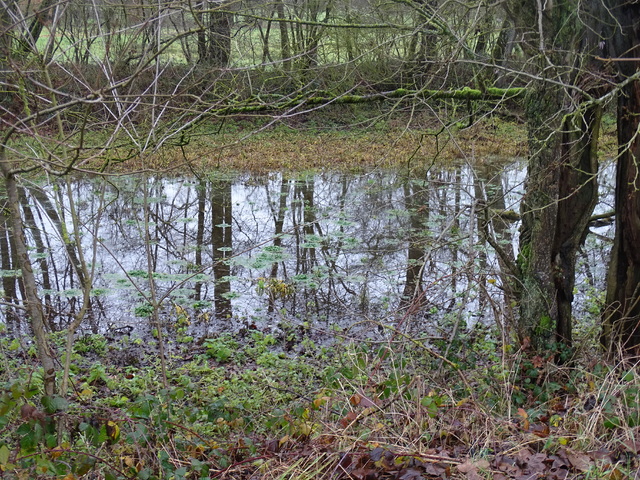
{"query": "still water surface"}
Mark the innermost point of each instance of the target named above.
(334, 252)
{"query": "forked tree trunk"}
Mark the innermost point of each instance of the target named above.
(578, 195)
(562, 192)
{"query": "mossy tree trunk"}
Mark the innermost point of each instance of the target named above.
(561, 193)
(539, 211)
(561, 186)
(219, 38)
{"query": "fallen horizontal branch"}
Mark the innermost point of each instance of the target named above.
(466, 93)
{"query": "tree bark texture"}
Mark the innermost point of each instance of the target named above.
(32, 302)
(621, 317)
(561, 189)
(539, 212)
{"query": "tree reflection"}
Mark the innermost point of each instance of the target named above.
(416, 198)
(222, 243)
(336, 247)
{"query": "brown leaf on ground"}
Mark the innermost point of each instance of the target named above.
(409, 474)
(507, 465)
(525, 418)
(344, 462)
(472, 468)
(500, 476)
(348, 419)
(540, 430)
(361, 400)
(580, 461)
(538, 361)
(528, 476)
(473, 465)
(601, 454)
(364, 474)
(631, 445)
(435, 469)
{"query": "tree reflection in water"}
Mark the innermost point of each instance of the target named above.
(335, 250)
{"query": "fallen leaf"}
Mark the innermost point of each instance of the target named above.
(320, 401)
(361, 400)
(538, 361)
(631, 445)
(473, 465)
(345, 461)
(409, 474)
(525, 418)
(273, 446)
(364, 474)
(580, 461)
(29, 412)
(436, 470)
(616, 474)
(540, 430)
(348, 419)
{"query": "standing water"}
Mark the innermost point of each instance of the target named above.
(335, 253)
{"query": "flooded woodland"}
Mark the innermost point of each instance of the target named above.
(327, 253)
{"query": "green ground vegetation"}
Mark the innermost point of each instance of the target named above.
(249, 405)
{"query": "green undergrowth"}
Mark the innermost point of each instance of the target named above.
(241, 406)
(347, 139)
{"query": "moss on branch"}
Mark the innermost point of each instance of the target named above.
(466, 93)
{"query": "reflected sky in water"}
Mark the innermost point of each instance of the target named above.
(334, 251)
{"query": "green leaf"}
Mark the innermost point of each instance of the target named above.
(85, 465)
(54, 403)
(612, 422)
(145, 474)
(4, 455)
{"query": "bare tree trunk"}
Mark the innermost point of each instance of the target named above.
(214, 34)
(6, 44)
(285, 48)
(219, 37)
(40, 18)
(561, 195)
(621, 318)
(33, 304)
